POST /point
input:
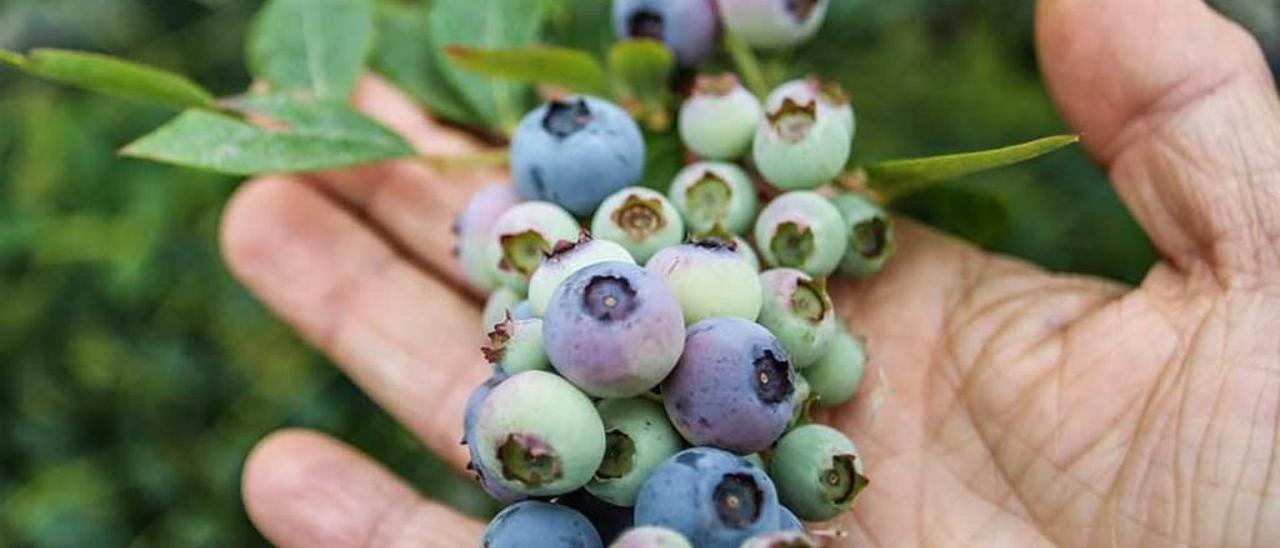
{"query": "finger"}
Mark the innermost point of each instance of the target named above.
(406, 338)
(304, 489)
(410, 202)
(1179, 104)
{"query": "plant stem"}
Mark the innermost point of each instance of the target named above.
(748, 65)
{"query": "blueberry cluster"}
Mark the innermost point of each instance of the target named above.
(651, 384)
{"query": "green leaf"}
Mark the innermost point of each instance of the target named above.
(486, 24)
(111, 76)
(317, 46)
(642, 71)
(898, 178)
(402, 58)
(293, 135)
(569, 68)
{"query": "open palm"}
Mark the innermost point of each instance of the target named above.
(1003, 404)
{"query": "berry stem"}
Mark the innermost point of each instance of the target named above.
(748, 65)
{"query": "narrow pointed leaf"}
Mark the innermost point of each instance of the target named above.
(316, 46)
(898, 178)
(111, 76)
(291, 135)
(564, 67)
(486, 24)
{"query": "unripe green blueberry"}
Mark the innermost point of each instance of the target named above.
(870, 232)
(773, 24)
(640, 220)
(802, 230)
(836, 376)
(798, 311)
(541, 436)
(516, 346)
(818, 472)
(522, 236)
(804, 400)
(564, 261)
(743, 249)
(831, 97)
(710, 280)
(801, 145)
(719, 120)
(638, 437)
(497, 306)
(715, 196)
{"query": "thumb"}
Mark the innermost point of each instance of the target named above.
(1178, 103)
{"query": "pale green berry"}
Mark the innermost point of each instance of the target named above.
(870, 233)
(522, 236)
(802, 230)
(817, 471)
(715, 196)
(566, 259)
(639, 219)
(831, 97)
(500, 303)
(719, 120)
(836, 376)
(798, 311)
(638, 437)
(801, 146)
(516, 346)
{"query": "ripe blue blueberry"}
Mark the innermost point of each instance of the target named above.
(472, 230)
(773, 24)
(798, 311)
(836, 376)
(781, 539)
(870, 232)
(818, 472)
(536, 524)
(501, 302)
(614, 330)
(539, 434)
(714, 498)
(714, 196)
(522, 236)
(801, 145)
(709, 279)
(640, 220)
(516, 346)
(788, 521)
(651, 537)
(734, 387)
(802, 230)
(718, 121)
(576, 151)
(566, 259)
(689, 28)
(638, 437)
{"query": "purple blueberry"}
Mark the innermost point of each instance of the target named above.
(614, 330)
(564, 261)
(576, 151)
(472, 230)
(536, 524)
(689, 28)
(539, 435)
(651, 537)
(709, 279)
(773, 24)
(714, 498)
(734, 387)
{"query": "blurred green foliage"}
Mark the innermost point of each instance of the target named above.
(137, 374)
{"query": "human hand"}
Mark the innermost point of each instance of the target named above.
(1002, 404)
